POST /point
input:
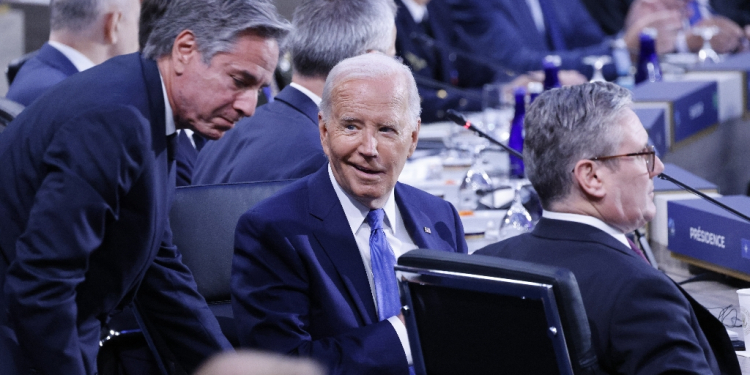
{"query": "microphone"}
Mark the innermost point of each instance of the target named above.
(431, 42)
(702, 195)
(459, 119)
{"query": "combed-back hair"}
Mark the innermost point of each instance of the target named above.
(568, 124)
(216, 25)
(328, 31)
(151, 12)
(372, 66)
(76, 15)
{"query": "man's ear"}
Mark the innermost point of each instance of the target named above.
(415, 137)
(184, 49)
(112, 27)
(323, 132)
(587, 174)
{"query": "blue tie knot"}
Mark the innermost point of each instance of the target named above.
(375, 219)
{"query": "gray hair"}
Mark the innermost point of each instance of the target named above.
(216, 25)
(371, 66)
(328, 31)
(76, 15)
(566, 125)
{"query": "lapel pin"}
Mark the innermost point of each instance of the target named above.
(427, 230)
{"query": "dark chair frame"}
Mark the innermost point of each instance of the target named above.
(555, 287)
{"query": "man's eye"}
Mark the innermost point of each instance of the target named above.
(239, 83)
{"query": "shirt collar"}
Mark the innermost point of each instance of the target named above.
(356, 213)
(316, 99)
(588, 220)
(417, 11)
(79, 60)
(168, 114)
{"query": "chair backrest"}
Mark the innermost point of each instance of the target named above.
(8, 111)
(203, 220)
(15, 65)
(477, 314)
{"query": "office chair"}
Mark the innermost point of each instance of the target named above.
(8, 111)
(474, 314)
(15, 65)
(203, 219)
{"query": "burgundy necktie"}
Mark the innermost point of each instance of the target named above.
(637, 249)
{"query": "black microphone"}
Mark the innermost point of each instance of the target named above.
(492, 64)
(461, 120)
(702, 195)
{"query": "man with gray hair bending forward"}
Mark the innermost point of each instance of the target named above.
(588, 157)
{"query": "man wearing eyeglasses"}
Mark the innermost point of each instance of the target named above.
(587, 156)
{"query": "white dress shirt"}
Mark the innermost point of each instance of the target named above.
(588, 220)
(417, 11)
(79, 60)
(395, 232)
(316, 99)
(168, 115)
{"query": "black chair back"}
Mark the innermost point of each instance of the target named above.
(203, 220)
(15, 65)
(8, 111)
(486, 315)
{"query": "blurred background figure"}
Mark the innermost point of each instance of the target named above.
(434, 41)
(729, 16)
(248, 362)
(83, 33)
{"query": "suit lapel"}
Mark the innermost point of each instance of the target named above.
(337, 241)
(419, 225)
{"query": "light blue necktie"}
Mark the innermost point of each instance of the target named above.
(383, 261)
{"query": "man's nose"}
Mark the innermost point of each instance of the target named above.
(245, 103)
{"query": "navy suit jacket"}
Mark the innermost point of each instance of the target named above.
(505, 30)
(641, 321)
(280, 141)
(299, 285)
(462, 80)
(48, 68)
(86, 185)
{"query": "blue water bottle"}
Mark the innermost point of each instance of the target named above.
(551, 66)
(648, 61)
(516, 133)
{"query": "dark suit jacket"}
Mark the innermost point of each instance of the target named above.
(299, 285)
(462, 80)
(280, 141)
(641, 321)
(48, 68)
(505, 30)
(85, 190)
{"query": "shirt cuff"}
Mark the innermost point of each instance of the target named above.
(403, 336)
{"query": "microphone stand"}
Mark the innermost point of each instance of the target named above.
(461, 120)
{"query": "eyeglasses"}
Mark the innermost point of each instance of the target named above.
(649, 154)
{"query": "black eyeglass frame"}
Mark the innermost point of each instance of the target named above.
(650, 162)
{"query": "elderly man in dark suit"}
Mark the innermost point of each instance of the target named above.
(83, 33)
(281, 141)
(87, 180)
(588, 157)
(313, 266)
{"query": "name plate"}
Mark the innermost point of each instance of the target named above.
(691, 107)
(701, 230)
